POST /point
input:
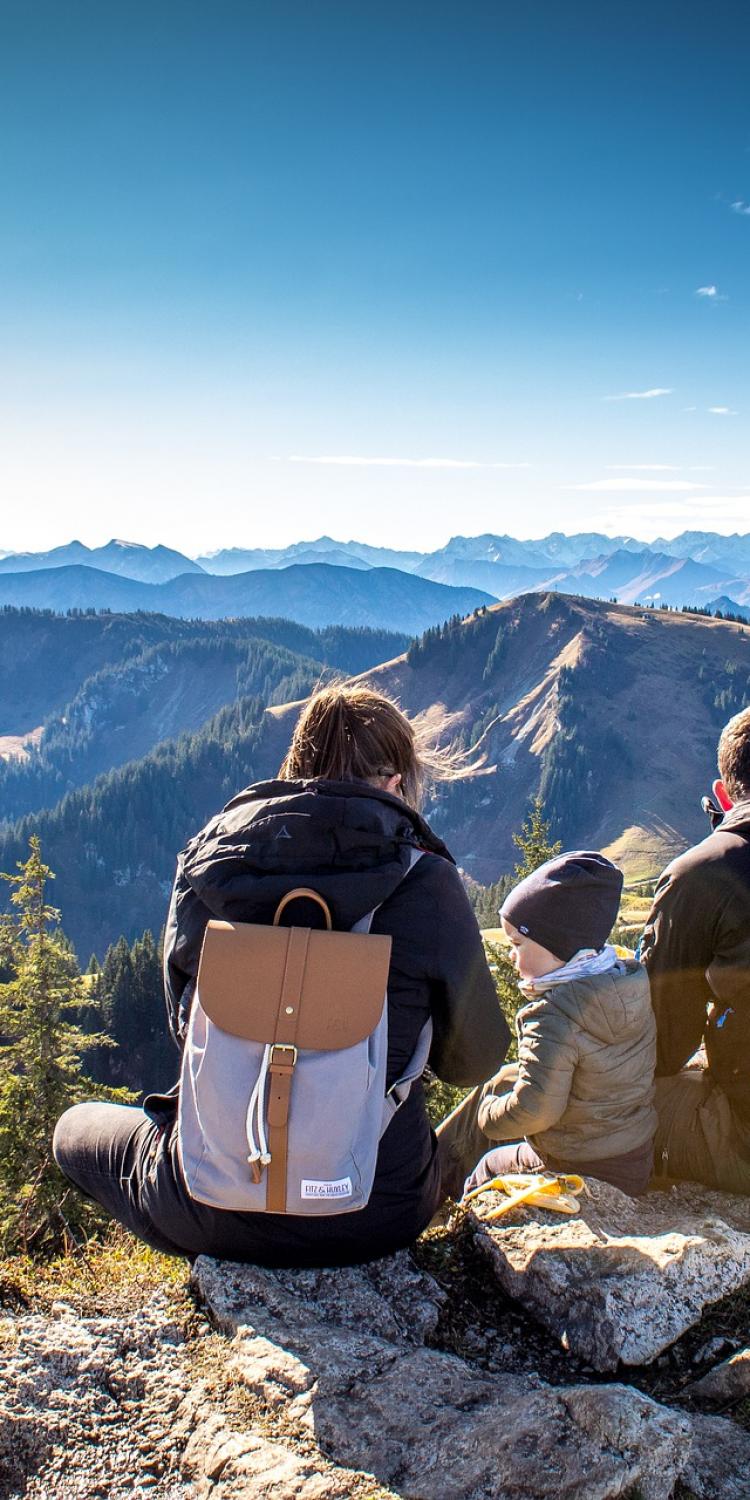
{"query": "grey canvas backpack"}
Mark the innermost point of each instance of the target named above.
(282, 1100)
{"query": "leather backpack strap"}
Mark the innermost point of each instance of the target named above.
(280, 1072)
(303, 893)
(281, 1066)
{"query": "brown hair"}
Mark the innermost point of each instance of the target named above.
(351, 733)
(734, 755)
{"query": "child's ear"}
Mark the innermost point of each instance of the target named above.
(722, 796)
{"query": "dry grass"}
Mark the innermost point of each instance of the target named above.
(107, 1276)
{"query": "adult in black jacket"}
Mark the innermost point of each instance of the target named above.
(339, 819)
(696, 948)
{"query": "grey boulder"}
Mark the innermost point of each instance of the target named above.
(727, 1382)
(624, 1279)
(340, 1358)
(718, 1467)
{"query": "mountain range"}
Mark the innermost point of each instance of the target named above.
(317, 595)
(316, 582)
(611, 712)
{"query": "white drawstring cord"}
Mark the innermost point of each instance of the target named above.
(257, 1108)
(265, 1155)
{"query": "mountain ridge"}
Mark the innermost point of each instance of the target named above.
(688, 570)
(316, 594)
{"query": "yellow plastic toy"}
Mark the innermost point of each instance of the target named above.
(556, 1191)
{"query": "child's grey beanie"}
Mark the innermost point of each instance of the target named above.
(570, 902)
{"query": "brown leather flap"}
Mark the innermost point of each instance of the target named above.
(335, 982)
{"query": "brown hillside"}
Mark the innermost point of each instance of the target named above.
(612, 712)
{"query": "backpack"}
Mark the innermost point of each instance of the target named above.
(282, 1099)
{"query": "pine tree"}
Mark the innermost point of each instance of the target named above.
(536, 847)
(130, 989)
(534, 841)
(41, 1073)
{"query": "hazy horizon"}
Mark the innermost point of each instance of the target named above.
(302, 541)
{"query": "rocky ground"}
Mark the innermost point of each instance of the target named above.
(417, 1377)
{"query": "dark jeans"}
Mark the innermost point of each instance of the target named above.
(126, 1161)
(630, 1172)
(504, 1161)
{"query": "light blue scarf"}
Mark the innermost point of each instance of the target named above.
(585, 962)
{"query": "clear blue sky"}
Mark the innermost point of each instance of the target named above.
(239, 238)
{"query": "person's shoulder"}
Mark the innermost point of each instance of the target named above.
(706, 859)
(553, 1013)
(437, 874)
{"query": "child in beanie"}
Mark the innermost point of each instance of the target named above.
(581, 1096)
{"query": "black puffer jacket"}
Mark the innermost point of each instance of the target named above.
(696, 948)
(351, 843)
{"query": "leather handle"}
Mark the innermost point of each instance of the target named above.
(302, 892)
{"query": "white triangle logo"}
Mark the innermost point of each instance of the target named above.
(284, 833)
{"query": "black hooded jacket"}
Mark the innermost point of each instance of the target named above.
(696, 948)
(351, 843)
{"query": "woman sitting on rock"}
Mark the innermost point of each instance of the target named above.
(581, 1096)
(341, 819)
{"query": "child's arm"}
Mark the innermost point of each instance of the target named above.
(547, 1057)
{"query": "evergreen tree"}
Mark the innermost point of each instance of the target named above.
(535, 846)
(132, 998)
(41, 1072)
(534, 841)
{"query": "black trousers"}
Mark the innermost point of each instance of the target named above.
(126, 1161)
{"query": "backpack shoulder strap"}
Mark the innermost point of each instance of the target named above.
(399, 1091)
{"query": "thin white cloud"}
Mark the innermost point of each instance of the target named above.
(741, 207)
(355, 461)
(710, 294)
(723, 411)
(664, 468)
(631, 486)
(656, 390)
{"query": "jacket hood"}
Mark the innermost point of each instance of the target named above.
(608, 1006)
(347, 840)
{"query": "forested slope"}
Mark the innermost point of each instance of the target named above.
(158, 678)
(611, 712)
(113, 844)
(45, 658)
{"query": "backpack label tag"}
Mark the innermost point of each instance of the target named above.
(340, 1189)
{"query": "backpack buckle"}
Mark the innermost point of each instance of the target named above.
(282, 1066)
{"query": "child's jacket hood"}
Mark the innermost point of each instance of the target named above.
(608, 1007)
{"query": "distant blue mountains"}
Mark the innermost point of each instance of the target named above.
(325, 581)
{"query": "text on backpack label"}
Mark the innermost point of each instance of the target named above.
(340, 1189)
